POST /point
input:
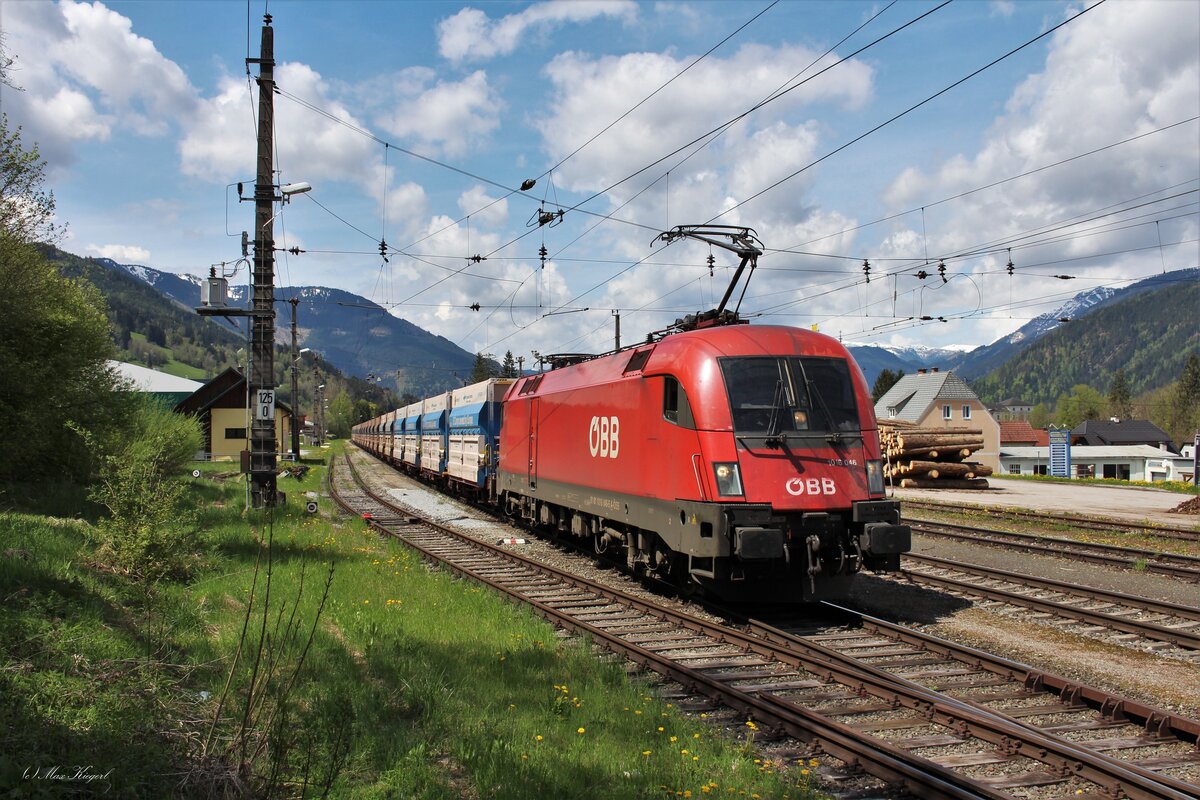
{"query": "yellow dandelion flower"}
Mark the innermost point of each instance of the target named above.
(804, 771)
(812, 762)
(750, 724)
(674, 738)
(647, 752)
(670, 706)
(660, 728)
(695, 758)
(538, 737)
(524, 757)
(683, 752)
(637, 711)
(695, 736)
(581, 730)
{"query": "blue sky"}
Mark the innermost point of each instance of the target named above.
(144, 115)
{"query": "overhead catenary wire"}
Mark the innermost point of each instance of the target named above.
(858, 138)
(908, 110)
(577, 206)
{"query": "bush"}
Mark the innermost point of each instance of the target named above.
(147, 535)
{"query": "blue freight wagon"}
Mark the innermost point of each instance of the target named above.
(474, 432)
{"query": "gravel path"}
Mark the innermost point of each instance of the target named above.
(1134, 503)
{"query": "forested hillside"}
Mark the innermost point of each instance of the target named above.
(156, 331)
(151, 330)
(1149, 336)
(349, 331)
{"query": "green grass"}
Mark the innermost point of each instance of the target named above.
(1167, 486)
(444, 689)
(171, 366)
(182, 370)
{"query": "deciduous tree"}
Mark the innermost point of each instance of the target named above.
(26, 207)
(1081, 404)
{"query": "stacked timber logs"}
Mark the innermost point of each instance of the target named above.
(932, 458)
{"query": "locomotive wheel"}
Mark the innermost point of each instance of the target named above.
(682, 580)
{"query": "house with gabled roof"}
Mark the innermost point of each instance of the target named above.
(934, 399)
(223, 409)
(1112, 432)
(1019, 433)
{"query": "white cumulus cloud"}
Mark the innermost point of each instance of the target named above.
(121, 253)
(84, 73)
(1121, 70)
(470, 35)
(442, 116)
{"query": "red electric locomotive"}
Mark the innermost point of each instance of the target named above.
(742, 459)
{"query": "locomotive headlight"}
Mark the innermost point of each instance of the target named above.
(875, 477)
(729, 480)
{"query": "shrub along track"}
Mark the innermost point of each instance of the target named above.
(1177, 566)
(1141, 618)
(851, 711)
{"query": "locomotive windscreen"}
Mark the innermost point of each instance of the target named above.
(772, 395)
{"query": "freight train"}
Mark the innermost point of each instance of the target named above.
(741, 460)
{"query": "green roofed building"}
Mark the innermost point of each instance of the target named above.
(168, 389)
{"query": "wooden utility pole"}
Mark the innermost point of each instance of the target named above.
(262, 320)
(295, 301)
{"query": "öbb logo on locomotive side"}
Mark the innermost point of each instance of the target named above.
(604, 437)
(801, 486)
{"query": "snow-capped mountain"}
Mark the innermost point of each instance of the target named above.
(331, 322)
(983, 360)
(1077, 306)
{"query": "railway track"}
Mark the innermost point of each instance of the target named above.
(1177, 566)
(1153, 620)
(1190, 534)
(932, 744)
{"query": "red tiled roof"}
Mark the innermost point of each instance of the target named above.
(1021, 432)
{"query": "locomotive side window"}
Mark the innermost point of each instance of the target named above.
(772, 395)
(676, 407)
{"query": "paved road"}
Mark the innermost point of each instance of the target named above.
(1120, 502)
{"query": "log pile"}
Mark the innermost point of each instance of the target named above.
(932, 458)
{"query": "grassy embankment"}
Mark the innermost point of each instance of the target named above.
(416, 685)
(171, 365)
